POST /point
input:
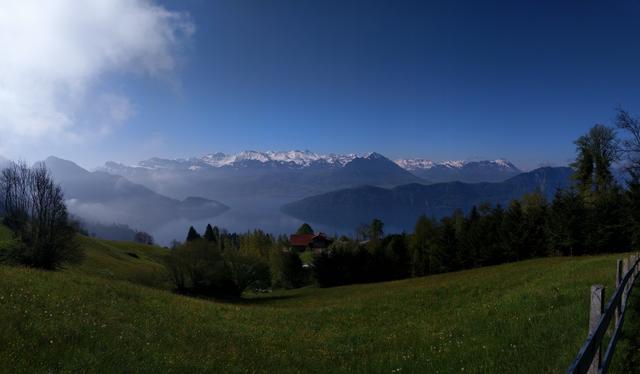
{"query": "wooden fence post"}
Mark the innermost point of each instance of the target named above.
(625, 270)
(632, 262)
(619, 277)
(597, 308)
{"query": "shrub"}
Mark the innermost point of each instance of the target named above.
(198, 267)
(286, 269)
(247, 272)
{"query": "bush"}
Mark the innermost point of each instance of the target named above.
(286, 269)
(198, 267)
(247, 272)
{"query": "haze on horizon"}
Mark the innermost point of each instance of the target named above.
(126, 80)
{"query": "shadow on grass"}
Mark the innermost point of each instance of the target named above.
(255, 300)
(263, 300)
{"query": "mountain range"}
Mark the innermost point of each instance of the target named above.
(461, 171)
(276, 190)
(287, 175)
(296, 174)
(400, 206)
(103, 197)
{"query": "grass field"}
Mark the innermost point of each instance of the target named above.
(523, 317)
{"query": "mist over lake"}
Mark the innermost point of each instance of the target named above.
(246, 215)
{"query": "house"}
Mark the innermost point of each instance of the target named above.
(302, 242)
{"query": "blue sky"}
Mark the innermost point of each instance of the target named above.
(436, 80)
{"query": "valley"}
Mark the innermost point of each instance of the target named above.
(121, 314)
(278, 191)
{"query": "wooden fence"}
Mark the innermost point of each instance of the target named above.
(590, 358)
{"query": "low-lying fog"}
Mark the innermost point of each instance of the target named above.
(243, 216)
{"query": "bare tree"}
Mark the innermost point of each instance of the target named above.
(631, 144)
(143, 238)
(14, 184)
(35, 211)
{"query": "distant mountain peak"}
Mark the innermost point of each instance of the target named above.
(463, 170)
(422, 164)
(293, 158)
(375, 156)
(460, 170)
(64, 167)
(504, 163)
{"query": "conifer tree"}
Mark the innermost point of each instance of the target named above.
(305, 228)
(567, 223)
(209, 235)
(421, 243)
(512, 232)
(193, 235)
(377, 229)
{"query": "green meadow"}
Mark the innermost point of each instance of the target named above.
(115, 313)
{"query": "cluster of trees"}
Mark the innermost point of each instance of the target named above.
(225, 264)
(374, 259)
(34, 210)
(596, 215)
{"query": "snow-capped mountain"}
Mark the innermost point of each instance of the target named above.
(288, 174)
(298, 172)
(421, 164)
(290, 159)
(462, 171)
(303, 159)
(298, 158)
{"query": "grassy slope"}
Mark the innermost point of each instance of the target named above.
(523, 317)
(133, 262)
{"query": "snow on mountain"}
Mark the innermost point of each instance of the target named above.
(504, 163)
(304, 159)
(293, 158)
(415, 164)
(422, 164)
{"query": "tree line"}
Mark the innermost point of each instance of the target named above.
(595, 215)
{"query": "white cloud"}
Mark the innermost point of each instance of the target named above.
(54, 54)
(112, 110)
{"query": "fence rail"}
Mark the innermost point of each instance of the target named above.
(590, 358)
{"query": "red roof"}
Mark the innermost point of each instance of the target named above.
(301, 240)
